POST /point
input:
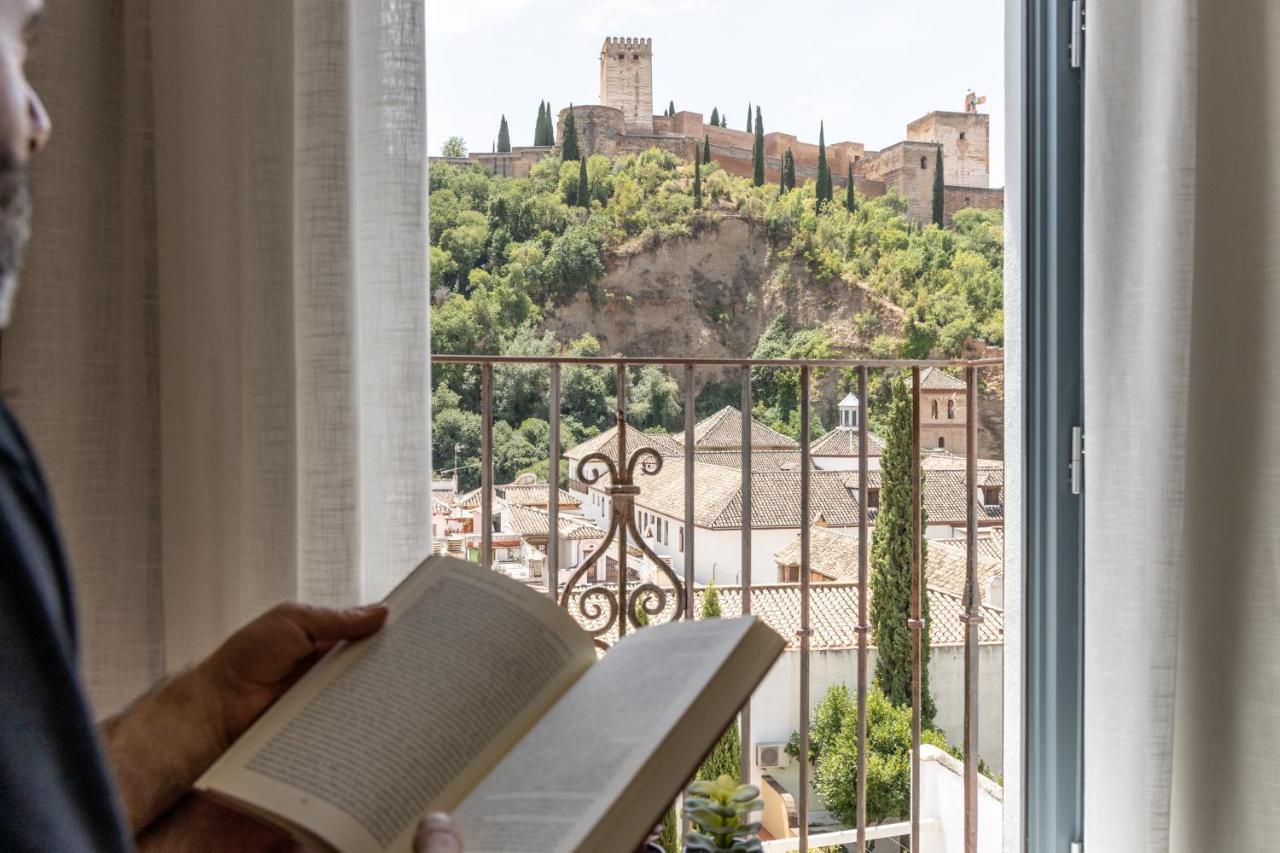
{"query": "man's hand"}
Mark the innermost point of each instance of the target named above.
(263, 659)
(437, 834)
(159, 745)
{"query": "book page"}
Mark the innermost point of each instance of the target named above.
(555, 788)
(408, 720)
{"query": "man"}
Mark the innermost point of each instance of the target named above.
(56, 792)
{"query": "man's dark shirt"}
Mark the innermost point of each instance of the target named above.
(55, 791)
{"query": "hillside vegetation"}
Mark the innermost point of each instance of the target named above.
(514, 261)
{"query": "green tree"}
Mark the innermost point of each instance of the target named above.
(706, 149)
(569, 148)
(750, 126)
(788, 170)
(823, 184)
(757, 152)
(850, 201)
(891, 547)
(504, 137)
(539, 125)
(586, 390)
(454, 146)
(654, 399)
(715, 116)
(584, 187)
(551, 126)
(888, 760)
(697, 183)
(938, 189)
(726, 756)
(724, 119)
(671, 108)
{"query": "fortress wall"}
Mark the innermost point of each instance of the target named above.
(906, 167)
(959, 198)
(515, 164)
(600, 129)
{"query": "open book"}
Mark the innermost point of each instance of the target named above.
(483, 698)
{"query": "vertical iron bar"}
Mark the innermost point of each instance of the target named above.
(486, 465)
(972, 617)
(688, 490)
(745, 572)
(915, 622)
(863, 627)
(553, 499)
(628, 505)
(805, 518)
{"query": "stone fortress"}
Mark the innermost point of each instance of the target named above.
(624, 123)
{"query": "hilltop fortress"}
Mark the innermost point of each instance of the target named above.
(624, 123)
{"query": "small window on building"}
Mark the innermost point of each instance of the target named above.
(924, 162)
(933, 408)
(873, 499)
(942, 443)
(635, 56)
(962, 134)
(622, 56)
(991, 495)
(680, 539)
(951, 410)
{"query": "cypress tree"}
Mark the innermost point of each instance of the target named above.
(570, 150)
(697, 183)
(724, 120)
(671, 108)
(584, 186)
(726, 755)
(539, 125)
(789, 170)
(749, 127)
(551, 126)
(706, 149)
(891, 547)
(757, 152)
(504, 136)
(850, 201)
(823, 187)
(937, 189)
(715, 116)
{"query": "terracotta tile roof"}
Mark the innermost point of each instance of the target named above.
(833, 615)
(936, 379)
(775, 496)
(723, 431)
(533, 523)
(945, 494)
(761, 460)
(843, 441)
(524, 494)
(607, 443)
(834, 554)
(990, 543)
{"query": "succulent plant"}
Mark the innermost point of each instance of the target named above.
(718, 811)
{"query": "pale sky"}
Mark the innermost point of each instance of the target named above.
(865, 68)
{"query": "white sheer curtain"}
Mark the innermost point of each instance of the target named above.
(1182, 402)
(221, 343)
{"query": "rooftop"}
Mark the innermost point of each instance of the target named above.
(843, 441)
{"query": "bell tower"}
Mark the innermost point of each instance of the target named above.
(626, 80)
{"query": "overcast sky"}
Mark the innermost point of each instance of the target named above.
(865, 68)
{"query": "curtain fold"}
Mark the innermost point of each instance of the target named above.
(1182, 403)
(221, 345)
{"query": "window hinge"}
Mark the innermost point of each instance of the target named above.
(1076, 45)
(1077, 462)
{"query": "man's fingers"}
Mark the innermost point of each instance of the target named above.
(436, 834)
(327, 625)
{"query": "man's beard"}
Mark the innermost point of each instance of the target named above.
(15, 227)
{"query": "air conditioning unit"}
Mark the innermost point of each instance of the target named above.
(772, 755)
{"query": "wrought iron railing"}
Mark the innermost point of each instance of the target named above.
(617, 607)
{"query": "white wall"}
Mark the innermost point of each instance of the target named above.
(775, 708)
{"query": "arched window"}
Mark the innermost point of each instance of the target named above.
(934, 409)
(951, 410)
(942, 443)
(924, 162)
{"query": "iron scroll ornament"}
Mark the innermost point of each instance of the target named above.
(617, 607)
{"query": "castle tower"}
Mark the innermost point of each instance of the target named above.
(626, 80)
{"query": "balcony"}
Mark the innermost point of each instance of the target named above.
(783, 528)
